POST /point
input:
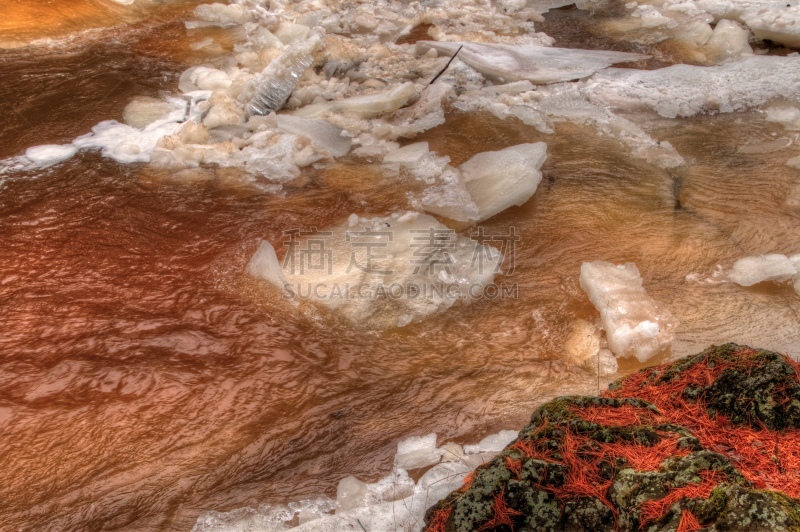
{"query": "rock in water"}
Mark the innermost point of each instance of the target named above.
(656, 452)
(635, 323)
(276, 82)
(537, 64)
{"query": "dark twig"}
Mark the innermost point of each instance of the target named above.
(447, 65)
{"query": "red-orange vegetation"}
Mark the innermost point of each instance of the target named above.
(583, 477)
(688, 522)
(439, 521)
(654, 509)
(768, 459)
(515, 466)
(616, 416)
(642, 457)
(501, 513)
(528, 448)
(467, 481)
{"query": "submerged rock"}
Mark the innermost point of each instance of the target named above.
(707, 442)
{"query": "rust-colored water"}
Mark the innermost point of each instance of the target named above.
(144, 379)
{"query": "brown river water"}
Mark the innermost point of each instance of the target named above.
(144, 379)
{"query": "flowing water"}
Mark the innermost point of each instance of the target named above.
(144, 379)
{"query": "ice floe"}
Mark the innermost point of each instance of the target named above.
(635, 324)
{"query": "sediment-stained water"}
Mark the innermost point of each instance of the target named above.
(145, 379)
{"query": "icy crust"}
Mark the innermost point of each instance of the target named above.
(394, 502)
(380, 272)
(686, 90)
(635, 324)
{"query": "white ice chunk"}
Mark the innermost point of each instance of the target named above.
(771, 267)
(50, 154)
(414, 267)
(582, 343)
(450, 198)
(416, 452)
(496, 180)
(686, 90)
(220, 15)
(269, 90)
(364, 106)
(321, 132)
(776, 20)
(493, 443)
(142, 111)
(796, 281)
(264, 264)
(453, 452)
(537, 64)
(787, 116)
(394, 503)
(350, 493)
(267, 518)
(604, 363)
(407, 155)
(635, 324)
(730, 39)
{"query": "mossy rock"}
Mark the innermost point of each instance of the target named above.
(568, 472)
(757, 387)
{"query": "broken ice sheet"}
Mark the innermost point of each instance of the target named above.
(537, 64)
